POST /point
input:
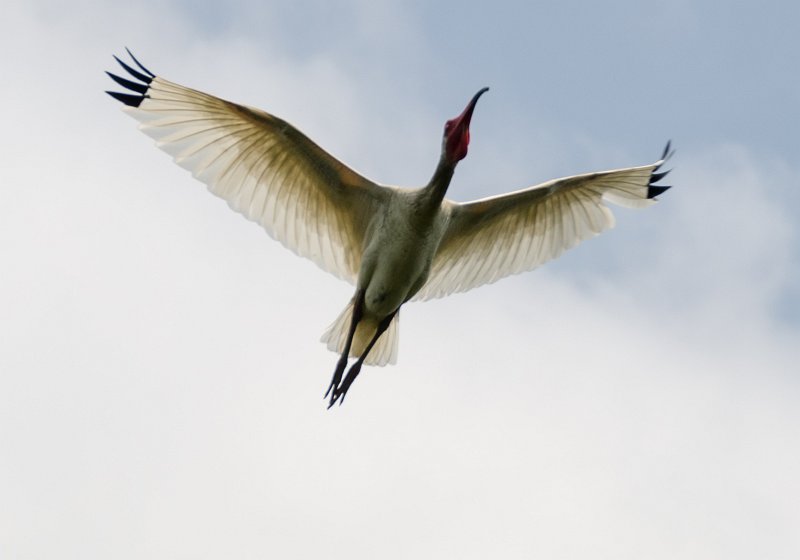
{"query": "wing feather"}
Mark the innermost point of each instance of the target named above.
(489, 239)
(262, 166)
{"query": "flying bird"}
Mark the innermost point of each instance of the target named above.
(393, 243)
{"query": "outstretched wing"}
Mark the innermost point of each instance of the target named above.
(261, 165)
(495, 237)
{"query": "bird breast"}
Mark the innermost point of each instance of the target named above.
(398, 256)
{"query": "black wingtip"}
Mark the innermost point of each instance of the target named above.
(654, 190)
(140, 88)
(135, 73)
(656, 177)
(668, 151)
(133, 86)
(139, 64)
(127, 98)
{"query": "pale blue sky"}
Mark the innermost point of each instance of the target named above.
(705, 72)
(160, 377)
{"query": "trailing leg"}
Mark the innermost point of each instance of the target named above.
(341, 390)
(358, 309)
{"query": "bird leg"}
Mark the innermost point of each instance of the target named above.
(355, 369)
(358, 307)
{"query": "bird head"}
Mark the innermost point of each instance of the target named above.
(456, 132)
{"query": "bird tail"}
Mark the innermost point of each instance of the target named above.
(385, 350)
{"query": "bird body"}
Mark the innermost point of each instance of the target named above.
(399, 250)
(401, 243)
(395, 263)
(395, 244)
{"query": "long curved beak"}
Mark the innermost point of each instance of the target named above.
(465, 118)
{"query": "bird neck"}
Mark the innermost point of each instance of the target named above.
(437, 186)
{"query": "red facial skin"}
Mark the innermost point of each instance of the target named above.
(456, 131)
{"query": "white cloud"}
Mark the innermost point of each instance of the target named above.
(161, 385)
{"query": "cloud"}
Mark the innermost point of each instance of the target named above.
(161, 385)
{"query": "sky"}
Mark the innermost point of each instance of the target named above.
(161, 378)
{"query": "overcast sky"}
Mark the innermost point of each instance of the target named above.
(161, 378)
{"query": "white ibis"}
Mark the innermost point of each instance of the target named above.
(395, 244)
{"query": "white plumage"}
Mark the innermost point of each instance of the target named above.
(392, 243)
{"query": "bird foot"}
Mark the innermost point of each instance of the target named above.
(337, 377)
(340, 391)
